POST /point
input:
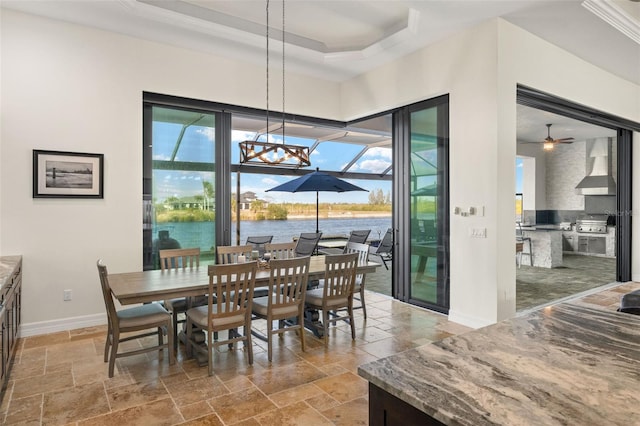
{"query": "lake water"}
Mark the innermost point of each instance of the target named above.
(201, 234)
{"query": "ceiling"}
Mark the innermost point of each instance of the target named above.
(340, 39)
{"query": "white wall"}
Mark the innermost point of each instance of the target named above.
(70, 88)
(480, 70)
(66, 87)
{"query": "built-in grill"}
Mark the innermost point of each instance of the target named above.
(596, 224)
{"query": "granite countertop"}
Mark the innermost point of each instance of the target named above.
(542, 228)
(7, 266)
(565, 364)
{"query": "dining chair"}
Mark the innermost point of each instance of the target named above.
(258, 242)
(385, 249)
(175, 259)
(336, 296)
(281, 250)
(228, 308)
(359, 236)
(287, 286)
(358, 286)
(307, 243)
(229, 254)
(132, 320)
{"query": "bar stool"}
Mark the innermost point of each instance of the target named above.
(520, 238)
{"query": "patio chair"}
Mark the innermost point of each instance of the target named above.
(385, 250)
(287, 287)
(131, 320)
(359, 236)
(336, 296)
(258, 242)
(180, 259)
(307, 243)
(229, 304)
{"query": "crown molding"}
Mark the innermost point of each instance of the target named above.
(615, 16)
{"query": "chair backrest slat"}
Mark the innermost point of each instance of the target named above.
(288, 281)
(229, 254)
(106, 293)
(281, 250)
(231, 285)
(363, 253)
(179, 258)
(339, 275)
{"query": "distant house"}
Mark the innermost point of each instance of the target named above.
(246, 198)
(185, 203)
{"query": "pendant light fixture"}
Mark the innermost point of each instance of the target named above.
(272, 153)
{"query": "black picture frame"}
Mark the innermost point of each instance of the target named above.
(60, 174)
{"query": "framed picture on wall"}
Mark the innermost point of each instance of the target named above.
(58, 174)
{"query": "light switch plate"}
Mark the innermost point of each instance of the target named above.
(478, 232)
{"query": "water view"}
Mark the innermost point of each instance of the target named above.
(201, 234)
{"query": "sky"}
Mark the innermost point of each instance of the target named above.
(198, 145)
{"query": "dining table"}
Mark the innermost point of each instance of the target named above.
(153, 285)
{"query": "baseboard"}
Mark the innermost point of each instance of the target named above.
(65, 324)
(468, 320)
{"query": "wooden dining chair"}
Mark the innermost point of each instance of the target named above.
(287, 286)
(175, 259)
(281, 250)
(132, 320)
(358, 285)
(336, 296)
(230, 299)
(229, 254)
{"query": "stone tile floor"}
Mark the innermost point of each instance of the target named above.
(61, 379)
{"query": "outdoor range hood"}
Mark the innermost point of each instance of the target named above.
(599, 181)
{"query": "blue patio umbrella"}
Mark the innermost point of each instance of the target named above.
(315, 182)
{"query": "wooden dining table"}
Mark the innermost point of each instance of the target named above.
(154, 285)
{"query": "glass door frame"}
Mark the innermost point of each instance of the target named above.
(402, 197)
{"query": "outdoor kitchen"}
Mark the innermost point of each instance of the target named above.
(567, 220)
(569, 201)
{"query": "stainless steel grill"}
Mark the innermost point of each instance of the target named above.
(592, 225)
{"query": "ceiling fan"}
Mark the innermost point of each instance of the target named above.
(550, 142)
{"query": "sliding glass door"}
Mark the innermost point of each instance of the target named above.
(424, 228)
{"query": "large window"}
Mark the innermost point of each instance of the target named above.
(180, 197)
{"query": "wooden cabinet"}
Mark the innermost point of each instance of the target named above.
(388, 410)
(10, 313)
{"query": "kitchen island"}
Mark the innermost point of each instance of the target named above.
(546, 242)
(564, 364)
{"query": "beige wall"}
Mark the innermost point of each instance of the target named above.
(66, 87)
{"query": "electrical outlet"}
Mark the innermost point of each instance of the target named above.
(66, 295)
